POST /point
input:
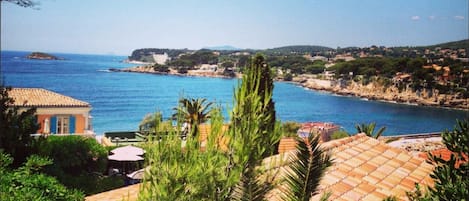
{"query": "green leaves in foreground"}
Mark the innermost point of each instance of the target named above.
(451, 181)
(308, 165)
(369, 130)
(28, 183)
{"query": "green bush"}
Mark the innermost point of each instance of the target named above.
(74, 158)
(288, 77)
(28, 183)
(290, 128)
(339, 134)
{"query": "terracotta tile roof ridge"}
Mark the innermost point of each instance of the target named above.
(40, 97)
(339, 142)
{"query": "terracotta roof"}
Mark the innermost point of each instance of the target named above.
(367, 169)
(37, 97)
(444, 154)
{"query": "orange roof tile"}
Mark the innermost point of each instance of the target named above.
(37, 97)
(374, 174)
(444, 154)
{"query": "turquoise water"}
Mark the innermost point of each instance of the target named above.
(120, 100)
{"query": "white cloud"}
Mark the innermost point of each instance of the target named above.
(415, 17)
(459, 17)
(431, 17)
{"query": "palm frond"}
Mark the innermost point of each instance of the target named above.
(251, 187)
(306, 169)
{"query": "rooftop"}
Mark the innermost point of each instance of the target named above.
(38, 97)
(367, 169)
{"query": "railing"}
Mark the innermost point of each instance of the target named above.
(417, 135)
(91, 135)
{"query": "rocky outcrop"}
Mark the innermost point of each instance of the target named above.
(374, 91)
(42, 56)
(194, 73)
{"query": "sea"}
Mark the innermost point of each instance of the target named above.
(120, 100)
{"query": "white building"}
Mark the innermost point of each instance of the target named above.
(161, 58)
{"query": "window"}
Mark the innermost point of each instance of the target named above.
(63, 123)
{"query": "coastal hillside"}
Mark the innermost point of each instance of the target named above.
(297, 49)
(146, 54)
(461, 44)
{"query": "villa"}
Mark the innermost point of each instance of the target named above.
(56, 113)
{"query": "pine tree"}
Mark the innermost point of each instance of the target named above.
(16, 126)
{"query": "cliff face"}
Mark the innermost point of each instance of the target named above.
(42, 56)
(375, 91)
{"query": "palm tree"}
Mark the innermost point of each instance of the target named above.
(194, 112)
(307, 168)
(369, 130)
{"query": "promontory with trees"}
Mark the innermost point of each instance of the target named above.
(436, 75)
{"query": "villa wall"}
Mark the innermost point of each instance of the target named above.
(80, 122)
(40, 120)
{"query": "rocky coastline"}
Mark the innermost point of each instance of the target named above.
(369, 92)
(190, 73)
(390, 94)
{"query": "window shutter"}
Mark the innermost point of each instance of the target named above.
(72, 124)
(53, 125)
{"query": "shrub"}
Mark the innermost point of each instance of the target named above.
(74, 158)
(28, 183)
(339, 134)
(290, 128)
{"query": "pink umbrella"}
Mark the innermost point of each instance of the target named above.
(129, 149)
(124, 157)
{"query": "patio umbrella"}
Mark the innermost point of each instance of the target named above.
(46, 126)
(125, 157)
(129, 149)
(137, 174)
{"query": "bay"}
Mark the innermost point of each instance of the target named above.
(121, 100)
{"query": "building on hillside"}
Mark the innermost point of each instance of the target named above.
(56, 113)
(325, 129)
(161, 58)
(344, 57)
(319, 58)
(208, 67)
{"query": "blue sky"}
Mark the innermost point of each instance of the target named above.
(120, 26)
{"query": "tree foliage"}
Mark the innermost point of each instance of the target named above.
(451, 178)
(369, 130)
(16, 126)
(296, 64)
(451, 181)
(290, 128)
(339, 134)
(253, 130)
(76, 159)
(23, 3)
(185, 172)
(29, 183)
(194, 112)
